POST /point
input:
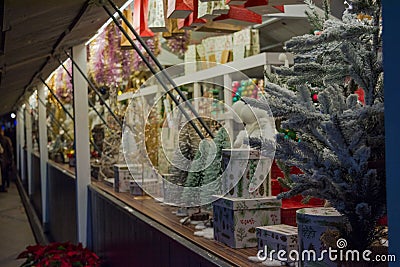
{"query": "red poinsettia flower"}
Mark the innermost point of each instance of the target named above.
(58, 255)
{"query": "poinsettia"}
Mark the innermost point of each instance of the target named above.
(59, 255)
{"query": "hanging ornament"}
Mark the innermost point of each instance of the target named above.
(186, 24)
(219, 7)
(173, 29)
(196, 20)
(157, 22)
(314, 97)
(140, 18)
(239, 16)
(205, 10)
(124, 43)
(179, 9)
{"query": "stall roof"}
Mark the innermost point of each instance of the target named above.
(35, 30)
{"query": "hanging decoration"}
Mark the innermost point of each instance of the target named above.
(140, 18)
(179, 9)
(173, 29)
(205, 10)
(179, 44)
(262, 7)
(219, 7)
(128, 13)
(157, 21)
(196, 20)
(240, 16)
(154, 45)
(96, 59)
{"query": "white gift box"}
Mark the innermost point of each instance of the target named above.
(123, 177)
(277, 237)
(246, 173)
(235, 219)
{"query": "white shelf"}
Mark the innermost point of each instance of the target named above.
(253, 67)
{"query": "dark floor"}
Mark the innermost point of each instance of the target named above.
(15, 231)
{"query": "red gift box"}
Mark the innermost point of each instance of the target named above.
(288, 211)
(239, 15)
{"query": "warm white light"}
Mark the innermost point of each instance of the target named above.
(13, 115)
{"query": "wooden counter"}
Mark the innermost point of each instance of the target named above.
(162, 214)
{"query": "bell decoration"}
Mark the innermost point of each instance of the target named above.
(239, 15)
(140, 18)
(179, 9)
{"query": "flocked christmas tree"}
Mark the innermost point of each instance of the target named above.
(342, 137)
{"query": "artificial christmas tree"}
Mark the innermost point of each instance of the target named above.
(339, 137)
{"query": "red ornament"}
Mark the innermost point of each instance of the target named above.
(179, 9)
(140, 14)
(361, 95)
(239, 15)
(315, 98)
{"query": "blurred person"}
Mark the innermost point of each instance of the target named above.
(6, 160)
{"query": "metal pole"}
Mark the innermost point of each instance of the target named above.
(58, 100)
(90, 102)
(91, 85)
(162, 70)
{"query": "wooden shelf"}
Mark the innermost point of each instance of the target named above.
(252, 67)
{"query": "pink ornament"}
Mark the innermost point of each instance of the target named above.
(315, 97)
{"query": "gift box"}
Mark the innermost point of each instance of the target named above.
(190, 59)
(235, 2)
(123, 177)
(289, 208)
(151, 187)
(246, 43)
(246, 173)
(277, 237)
(236, 219)
(223, 48)
(312, 224)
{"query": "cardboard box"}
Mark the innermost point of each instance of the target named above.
(246, 43)
(235, 219)
(277, 237)
(241, 166)
(150, 187)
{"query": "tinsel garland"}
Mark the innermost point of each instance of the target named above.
(154, 45)
(96, 59)
(178, 44)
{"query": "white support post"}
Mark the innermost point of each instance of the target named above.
(22, 131)
(196, 95)
(43, 149)
(228, 102)
(28, 121)
(18, 139)
(82, 152)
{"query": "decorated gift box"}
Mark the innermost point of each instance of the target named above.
(236, 219)
(205, 10)
(277, 237)
(312, 223)
(190, 59)
(246, 43)
(246, 173)
(151, 187)
(123, 176)
(224, 48)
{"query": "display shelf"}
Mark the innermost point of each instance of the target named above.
(252, 67)
(163, 215)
